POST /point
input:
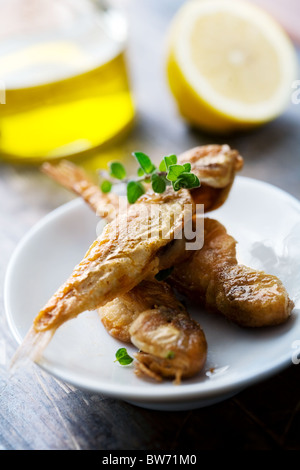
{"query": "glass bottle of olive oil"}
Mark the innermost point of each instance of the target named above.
(63, 70)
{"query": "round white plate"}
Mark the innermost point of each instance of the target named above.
(265, 221)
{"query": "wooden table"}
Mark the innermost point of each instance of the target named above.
(39, 412)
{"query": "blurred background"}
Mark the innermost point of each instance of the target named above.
(287, 13)
(81, 75)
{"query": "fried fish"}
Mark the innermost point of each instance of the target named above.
(213, 278)
(127, 251)
(171, 344)
(216, 167)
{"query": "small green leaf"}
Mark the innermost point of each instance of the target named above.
(162, 166)
(186, 180)
(144, 162)
(158, 183)
(134, 190)
(123, 357)
(196, 183)
(190, 179)
(170, 355)
(164, 274)
(187, 167)
(177, 185)
(169, 160)
(106, 186)
(117, 170)
(120, 353)
(174, 172)
(140, 172)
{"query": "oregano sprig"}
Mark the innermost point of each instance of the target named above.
(123, 357)
(168, 173)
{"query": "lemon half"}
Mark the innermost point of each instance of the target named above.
(230, 65)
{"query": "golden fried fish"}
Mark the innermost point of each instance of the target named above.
(213, 278)
(171, 344)
(126, 252)
(215, 166)
(149, 299)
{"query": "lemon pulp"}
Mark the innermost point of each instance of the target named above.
(230, 66)
(234, 65)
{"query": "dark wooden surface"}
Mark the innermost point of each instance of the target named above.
(39, 412)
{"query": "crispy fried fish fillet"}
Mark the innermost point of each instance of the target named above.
(171, 344)
(215, 166)
(118, 315)
(213, 278)
(168, 326)
(124, 254)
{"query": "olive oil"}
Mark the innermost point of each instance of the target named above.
(66, 91)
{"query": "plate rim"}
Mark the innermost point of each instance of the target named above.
(153, 392)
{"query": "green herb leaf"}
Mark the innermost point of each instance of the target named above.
(190, 180)
(186, 180)
(168, 161)
(170, 355)
(134, 190)
(187, 167)
(163, 274)
(174, 172)
(162, 166)
(196, 183)
(106, 186)
(117, 170)
(179, 176)
(144, 162)
(158, 183)
(123, 357)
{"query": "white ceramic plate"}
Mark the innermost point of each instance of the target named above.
(265, 221)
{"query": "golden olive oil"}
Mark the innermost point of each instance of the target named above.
(64, 93)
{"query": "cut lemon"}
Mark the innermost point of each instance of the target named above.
(230, 65)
